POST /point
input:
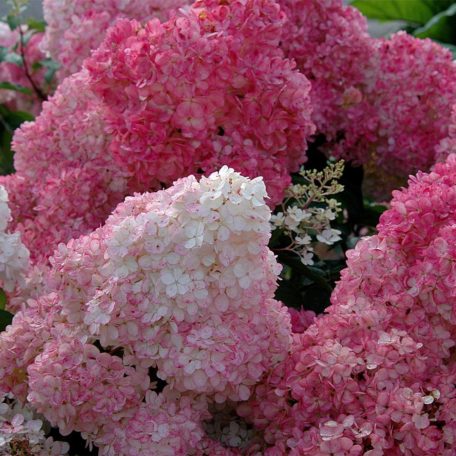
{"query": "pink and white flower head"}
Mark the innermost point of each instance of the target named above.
(184, 281)
(179, 283)
(76, 27)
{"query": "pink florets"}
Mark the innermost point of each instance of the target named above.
(332, 48)
(413, 93)
(372, 376)
(66, 184)
(447, 145)
(301, 319)
(166, 424)
(78, 388)
(76, 27)
(209, 87)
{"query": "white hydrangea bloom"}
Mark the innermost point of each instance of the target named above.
(307, 211)
(14, 256)
(21, 432)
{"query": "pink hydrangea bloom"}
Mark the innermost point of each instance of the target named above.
(209, 87)
(410, 89)
(447, 145)
(381, 102)
(372, 377)
(413, 94)
(78, 388)
(66, 184)
(332, 48)
(76, 27)
(165, 424)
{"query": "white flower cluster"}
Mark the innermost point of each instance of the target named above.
(21, 433)
(14, 256)
(307, 211)
(184, 281)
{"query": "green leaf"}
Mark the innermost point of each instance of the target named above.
(16, 87)
(441, 27)
(416, 11)
(51, 65)
(6, 153)
(13, 21)
(5, 319)
(3, 299)
(10, 57)
(34, 24)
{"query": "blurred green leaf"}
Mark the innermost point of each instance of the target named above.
(51, 65)
(3, 299)
(16, 118)
(441, 27)
(416, 11)
(34, 24)
(13, 21)
(5, 319)
(6, 153)
(10, 57)
(16, 87)
(9, 121)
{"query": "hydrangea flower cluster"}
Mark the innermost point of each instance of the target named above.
(22, 432)
(306, 213)
(12, 69)
(331, 46)
(76, 27)
(176, 289)
(376, 375)
(447, 145)
(14, 256)
(413, 95)
(381, 102)
(208, 87)
(242, 104)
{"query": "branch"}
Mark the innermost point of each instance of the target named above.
(40, 94)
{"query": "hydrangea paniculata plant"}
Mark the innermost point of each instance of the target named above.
(235, 101)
